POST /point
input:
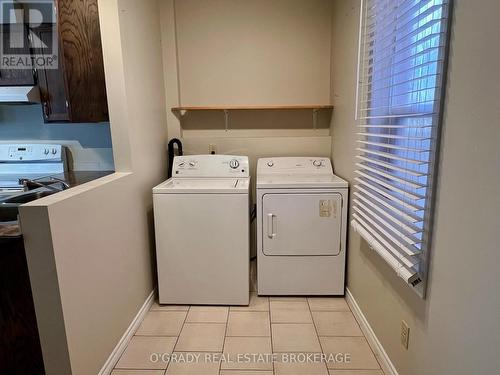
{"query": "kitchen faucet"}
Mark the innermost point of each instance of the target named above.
(26, 182)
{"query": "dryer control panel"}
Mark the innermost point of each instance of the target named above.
(210, 166)
(295, 165)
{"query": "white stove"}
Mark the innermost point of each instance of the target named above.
(29, 161)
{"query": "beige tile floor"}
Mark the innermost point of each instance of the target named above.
(210, 340)
(285, 326)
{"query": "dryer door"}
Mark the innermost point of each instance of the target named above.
(301, 224)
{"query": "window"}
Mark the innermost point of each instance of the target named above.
(402, 60)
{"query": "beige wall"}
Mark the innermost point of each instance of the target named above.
(253, 52)
(255, 147)
(455, 330)
(226, 52)
(89, 248)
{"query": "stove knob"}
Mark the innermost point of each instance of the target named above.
(192, 163)
(182, 164)
(234, 163)
(270, 164)
(54, 151)
(46, 151)
(317, 163)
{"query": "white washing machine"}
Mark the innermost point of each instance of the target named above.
(301, 227)
(202, 231)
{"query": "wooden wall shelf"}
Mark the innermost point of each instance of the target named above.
(250, 107)
(180, 111)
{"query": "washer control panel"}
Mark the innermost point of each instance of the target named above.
(210, 166)
(295, 165)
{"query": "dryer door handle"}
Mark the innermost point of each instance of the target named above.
(270, 226)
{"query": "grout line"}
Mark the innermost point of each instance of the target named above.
(138, 369)
(225, 336)
(271, 331)
(169, 308)
(317, 335)
(359, 325)
(364, 336)
(157, 335)
(210, 307)
(128, 344)
(116, 364)
(205, 322)
(177, 340)
(343, 336)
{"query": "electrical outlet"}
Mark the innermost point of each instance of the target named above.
(405, 334)
(212, 149)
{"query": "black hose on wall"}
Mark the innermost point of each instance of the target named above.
(171, 153)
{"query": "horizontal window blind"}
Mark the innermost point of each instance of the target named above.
(402, 60)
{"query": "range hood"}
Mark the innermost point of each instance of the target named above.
(19, 94)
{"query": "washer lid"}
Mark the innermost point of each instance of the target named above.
(298, 181)
(203, 185)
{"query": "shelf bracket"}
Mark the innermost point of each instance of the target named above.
(179, 113)
(315, 119)
(226, 120)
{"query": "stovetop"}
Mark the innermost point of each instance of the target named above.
(31, 161)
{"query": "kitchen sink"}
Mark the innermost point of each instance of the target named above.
(28, 197)
(9, 208)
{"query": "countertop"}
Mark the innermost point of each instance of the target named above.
(9, 230)
(73, 178)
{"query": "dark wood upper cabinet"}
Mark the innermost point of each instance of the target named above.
(75, 92)
(52, 83)
(16, 77)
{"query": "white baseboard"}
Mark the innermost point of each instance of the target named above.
(378, 349)
(127, 336)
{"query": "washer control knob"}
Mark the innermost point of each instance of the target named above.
(318, 163)
(234, 163)
(270, 163)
